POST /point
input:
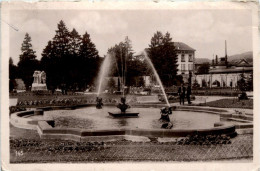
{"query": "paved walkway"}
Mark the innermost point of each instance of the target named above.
(205, 99)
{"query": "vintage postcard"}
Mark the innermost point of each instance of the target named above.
(129, 86)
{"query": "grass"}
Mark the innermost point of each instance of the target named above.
(230, 103)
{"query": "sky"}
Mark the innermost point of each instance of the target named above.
(203, 30)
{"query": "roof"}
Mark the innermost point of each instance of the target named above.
(231, 70)
(242, 63)
(201, 60)
(182, 46)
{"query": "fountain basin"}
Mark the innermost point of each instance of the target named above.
(47, 130)
(125, 114)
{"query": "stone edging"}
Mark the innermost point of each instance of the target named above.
(46, 131)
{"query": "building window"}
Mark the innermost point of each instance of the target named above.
(182, 67)
(182, 58)
(190, 58)
(190, 67)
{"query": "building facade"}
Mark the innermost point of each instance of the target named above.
(224, 75)
(186, 59)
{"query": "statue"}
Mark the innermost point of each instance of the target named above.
(99, 103)
(123, 106)
(39, 82)
(165, 112)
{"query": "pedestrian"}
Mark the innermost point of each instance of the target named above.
(181, 92)
(188, 94)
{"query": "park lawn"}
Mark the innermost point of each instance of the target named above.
(230, 103)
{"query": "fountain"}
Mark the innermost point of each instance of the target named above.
(123, 106)
(166, 110)
(104, 69)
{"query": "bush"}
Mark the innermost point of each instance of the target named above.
(13, 109)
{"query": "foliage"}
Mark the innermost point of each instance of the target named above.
(250, 82)
(125, 64)
(28, 63)
(12, 74)
(69, 60)
(163, 55)
(111, 83)
(242, 83)
(203, 69)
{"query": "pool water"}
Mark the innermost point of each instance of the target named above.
(92, 118)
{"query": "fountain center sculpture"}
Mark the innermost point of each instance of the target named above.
(123, 106)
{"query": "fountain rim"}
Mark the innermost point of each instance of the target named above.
(47, 131)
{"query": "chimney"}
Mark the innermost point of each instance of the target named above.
(216, 60)
(213, 62)
(226, 62)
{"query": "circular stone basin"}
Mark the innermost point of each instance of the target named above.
(92, 118)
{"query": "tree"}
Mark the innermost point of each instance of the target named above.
(75, 42)
(250, 82)
(203, 69)
(162, 53)
(242, 83)
(111, 84)
(125, 64)
(90, 59)
(12, 74)
(70, 61)
(12, 69)
(28, 63)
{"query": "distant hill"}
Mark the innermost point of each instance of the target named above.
(248, 56)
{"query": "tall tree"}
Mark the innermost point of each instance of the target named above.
(75, 42)
(70, 61)
(28, 63)
(12, 74)
(163, 55)
(90, 59)
(50, 63)
(61, 40)
(124, 63)
(88, 48)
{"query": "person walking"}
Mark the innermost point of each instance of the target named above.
(188, 94)
(181, 92)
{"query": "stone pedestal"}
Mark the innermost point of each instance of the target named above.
(37, 87)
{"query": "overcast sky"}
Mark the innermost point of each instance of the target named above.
(203, 30)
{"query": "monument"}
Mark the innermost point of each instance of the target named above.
(39, 82)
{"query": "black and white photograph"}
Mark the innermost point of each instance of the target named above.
(157, 83)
